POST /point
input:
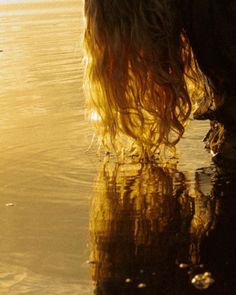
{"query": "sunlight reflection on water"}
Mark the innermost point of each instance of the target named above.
(46, 171)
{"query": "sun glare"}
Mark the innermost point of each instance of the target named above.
(95, 117)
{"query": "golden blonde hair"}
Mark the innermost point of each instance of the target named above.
(138, 62)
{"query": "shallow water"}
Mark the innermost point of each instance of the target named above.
(45, 170)
(144, 220)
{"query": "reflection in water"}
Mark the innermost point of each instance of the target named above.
(149, 236)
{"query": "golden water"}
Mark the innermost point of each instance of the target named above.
(45, 170)
(46, 176)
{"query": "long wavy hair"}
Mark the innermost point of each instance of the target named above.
(139, 65)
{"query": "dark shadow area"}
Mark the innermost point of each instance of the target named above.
(152, 232)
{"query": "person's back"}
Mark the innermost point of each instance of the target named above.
(211, 28)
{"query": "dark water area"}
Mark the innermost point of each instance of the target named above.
(75, 222)
(152, 235)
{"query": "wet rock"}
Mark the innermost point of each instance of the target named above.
(142, 285)
(202, 281)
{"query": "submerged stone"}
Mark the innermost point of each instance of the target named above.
(202, 281)
(142, 285)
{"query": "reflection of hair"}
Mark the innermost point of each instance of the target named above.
(138, 59)
(142, 218)
(134, 219)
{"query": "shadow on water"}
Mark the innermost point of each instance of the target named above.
(150, 235)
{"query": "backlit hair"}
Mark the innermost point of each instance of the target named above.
(139, 61)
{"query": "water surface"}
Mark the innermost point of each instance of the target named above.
(61, 205)
(45, 170)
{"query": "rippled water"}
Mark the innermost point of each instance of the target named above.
(144, 220)
(45, 169)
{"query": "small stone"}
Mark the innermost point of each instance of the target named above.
(9, 204)
(202, 281)
(183, 265)
(201, 265)
(142, 285)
